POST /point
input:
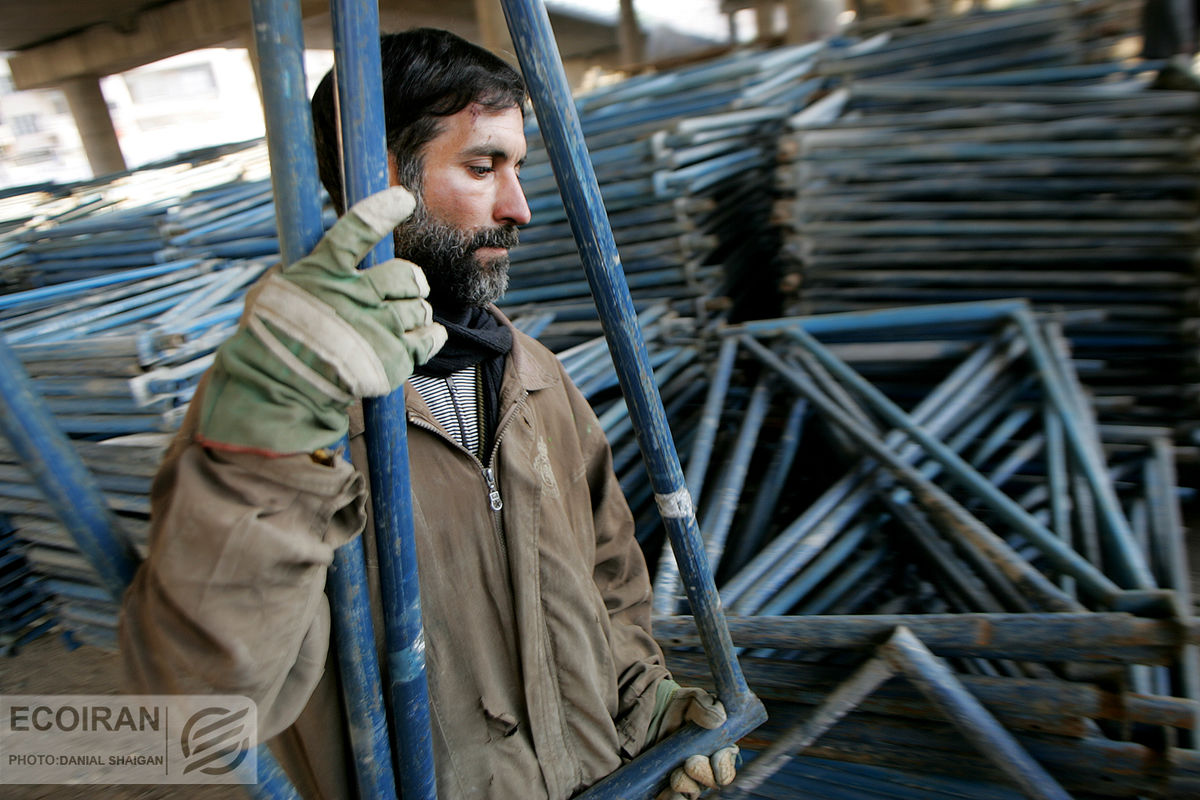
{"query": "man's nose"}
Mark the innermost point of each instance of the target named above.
(511, 205)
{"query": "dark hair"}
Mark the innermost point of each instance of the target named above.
(427, 74)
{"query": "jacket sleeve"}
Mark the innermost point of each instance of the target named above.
(230, 599)
(621, 575)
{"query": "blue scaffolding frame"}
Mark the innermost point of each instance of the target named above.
(407, 753)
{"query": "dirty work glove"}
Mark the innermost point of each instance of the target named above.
(319, 334)
(675, 705)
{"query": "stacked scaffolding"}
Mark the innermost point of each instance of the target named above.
(683, 160)
(876, 489)
(135, 283)
(990, 517)
(24, 611)
(1073, 186)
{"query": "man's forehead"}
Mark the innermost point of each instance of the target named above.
(477, 130)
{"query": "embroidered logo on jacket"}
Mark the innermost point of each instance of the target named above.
(541, 464)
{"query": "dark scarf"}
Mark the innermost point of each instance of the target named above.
(475, 337)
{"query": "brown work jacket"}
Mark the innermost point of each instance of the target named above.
(541, 667)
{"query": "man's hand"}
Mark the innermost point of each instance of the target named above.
(674, 705)
(319, 334)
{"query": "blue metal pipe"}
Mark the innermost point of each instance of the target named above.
(676, 395)
(534, 40)
(62, 477)
(111, 314)
(232, 281)
(706, 433)
(49, 293)
(616, 421)
(280, 39)
(1057, 484)
(352, 630)
(39, 312)
(279, 36)
(719, 511)
(821, 567)
(1021, 454)
(1073, 415)
(856, 582)
(854, 321)
(907, 654)
(868, 677)
(1001, 433)
(754, 531)
(666, 579)
(360, 103)
(1169, 535)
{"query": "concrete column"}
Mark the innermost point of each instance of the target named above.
(251, 42)
(629, 35)
(812, 19)
(90, 111)
(764, 18)
(1184, 16)
(493, 30)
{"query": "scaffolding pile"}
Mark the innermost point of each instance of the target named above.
(127, 289)
(991, 517)
(684, 161)
(24, 611)
(1073, 186)
(919, 523)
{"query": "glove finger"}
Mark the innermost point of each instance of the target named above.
(365, 225)
(699, 769)
(397, 279)
(724, 765)
(410, 314)
(425, 341)
(682, 783)
(706, 710)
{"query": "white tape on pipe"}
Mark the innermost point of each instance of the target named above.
(676, 505)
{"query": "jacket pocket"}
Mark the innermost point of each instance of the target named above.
(500, 724)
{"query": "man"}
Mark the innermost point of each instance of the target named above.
(543, 675)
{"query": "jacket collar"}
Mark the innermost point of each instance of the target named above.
(522, 364)
(531, 374)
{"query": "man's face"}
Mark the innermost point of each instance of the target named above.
(469, 207)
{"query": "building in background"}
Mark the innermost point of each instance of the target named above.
(39, 142)
(205, 97)
(186, 102)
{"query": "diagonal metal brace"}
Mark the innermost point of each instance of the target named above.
(904, 654)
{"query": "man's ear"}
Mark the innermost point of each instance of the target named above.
(393, 171)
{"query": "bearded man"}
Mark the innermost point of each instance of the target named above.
(543, 675)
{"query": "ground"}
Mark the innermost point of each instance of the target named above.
(48, 666)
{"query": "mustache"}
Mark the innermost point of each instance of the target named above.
(505, 236)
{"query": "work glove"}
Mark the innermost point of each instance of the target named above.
(675, 705)
(319, 334)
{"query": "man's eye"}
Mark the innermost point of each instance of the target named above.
(480, 170)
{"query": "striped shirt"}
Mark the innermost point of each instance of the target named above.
(455, 402)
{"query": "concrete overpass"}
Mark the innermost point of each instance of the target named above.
(72, 44)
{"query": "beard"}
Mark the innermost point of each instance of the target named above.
(458, 277)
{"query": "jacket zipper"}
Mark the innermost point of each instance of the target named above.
(495, 500)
